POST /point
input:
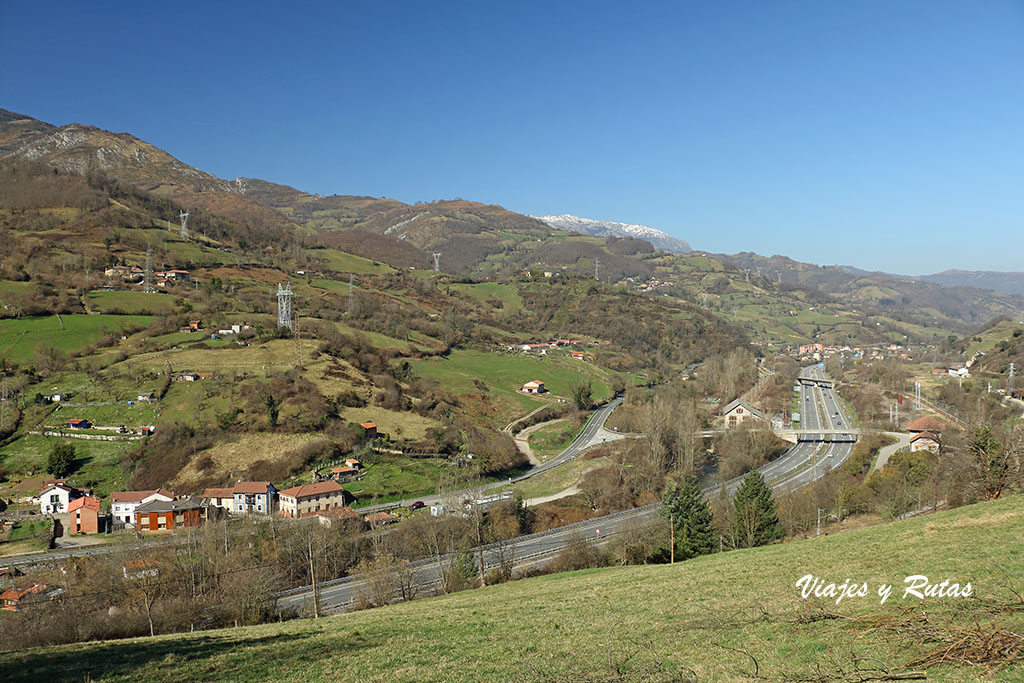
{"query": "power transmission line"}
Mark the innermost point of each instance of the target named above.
(184, 224)
(284, 306)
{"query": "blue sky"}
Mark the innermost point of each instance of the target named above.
(883, 134)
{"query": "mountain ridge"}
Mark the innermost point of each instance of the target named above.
(589, 226)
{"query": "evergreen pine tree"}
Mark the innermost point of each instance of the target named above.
(755, 519)
(690, 517)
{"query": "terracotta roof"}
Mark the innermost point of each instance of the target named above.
(218, 493)
(380, 517)
(76, 421)
(342, 470)
(251, 487)
(137, 496)
(56, 485)
(18, 593)
(84, 502)
(186, 503)
(368, 425)
(926, 424)
(306, 490)
(341, 513)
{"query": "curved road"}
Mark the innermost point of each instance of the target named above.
(800, 465)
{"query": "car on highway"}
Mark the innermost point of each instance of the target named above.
(417, 505)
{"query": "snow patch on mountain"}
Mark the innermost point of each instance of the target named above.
(588, 226)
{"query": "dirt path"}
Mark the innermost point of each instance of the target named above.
(522, 439)
(571, 491)
(886, 452)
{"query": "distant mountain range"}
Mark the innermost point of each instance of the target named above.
(481, 241)
(588, 226)
(1005, 282)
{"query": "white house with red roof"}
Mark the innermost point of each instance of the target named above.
(123, 503)
(56, 496)
(924, 441)
(533, 387)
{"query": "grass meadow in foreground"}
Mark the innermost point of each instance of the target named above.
(726, 617)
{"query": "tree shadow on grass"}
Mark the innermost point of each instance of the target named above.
(123, 659)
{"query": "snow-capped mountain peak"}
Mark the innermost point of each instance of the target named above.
(588, 226)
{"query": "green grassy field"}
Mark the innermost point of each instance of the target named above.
(554, 438)
(390, 478)
(97, 463)
(726, 617)
(505, 373)
(131, 303)
(349, 263)
(19, 338)
(508, 295)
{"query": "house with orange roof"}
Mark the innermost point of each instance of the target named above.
(311, 499)
(84, 515)
(533, 387)
(220, 498)
(371, 429)
(253, 497)
(16, 599)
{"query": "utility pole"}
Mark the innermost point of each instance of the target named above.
(312, 576)
(597, 264)
(184, 224)
(917, 396)
(819, 523)
(1010, 385)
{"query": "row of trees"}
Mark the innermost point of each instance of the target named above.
(752, 518)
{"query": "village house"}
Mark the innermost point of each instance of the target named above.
(161, 516)
(123, 272)
(124, 503)
(379, 519)
(181, 275)
(84, 516)
(141, 569)
(579, 355)
(187, 376)
(344, 515)
(371, 429)
(924, 441)
(309, 499)
(77, 423)
(738, 412)
(253, 497)
(146, 397)
(533, 387)
(56, 497)
(219, 498)
(343, 473)
(15, 599)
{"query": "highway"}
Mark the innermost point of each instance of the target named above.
(805, 462)
(589, 436)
